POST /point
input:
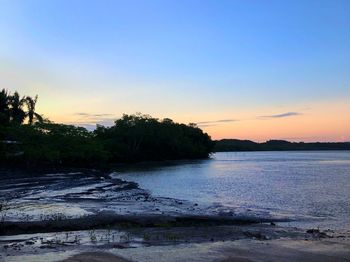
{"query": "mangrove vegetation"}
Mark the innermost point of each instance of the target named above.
(27, 138)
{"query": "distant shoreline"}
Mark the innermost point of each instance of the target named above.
(236, 145)
(276, 150)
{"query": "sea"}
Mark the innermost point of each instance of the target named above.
(312, 188)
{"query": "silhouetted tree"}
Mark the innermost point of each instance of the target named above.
(17, 114)
(31, 114)
(4, 107)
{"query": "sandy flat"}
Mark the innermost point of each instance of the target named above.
(95, 257)
(243, 250)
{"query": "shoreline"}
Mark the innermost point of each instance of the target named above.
(111, 219)
(43, 168)
(231, 251)
(208, 243)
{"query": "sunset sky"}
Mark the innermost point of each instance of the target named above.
(254, 70)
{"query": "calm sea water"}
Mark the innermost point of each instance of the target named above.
(310, 186)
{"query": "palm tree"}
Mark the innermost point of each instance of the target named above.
(4, 107)
(31, 114)
(17, 113)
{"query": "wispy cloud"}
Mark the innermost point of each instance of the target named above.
(206, 125)
(90, 120)
(215, 122)
(283, 115)
(92, 115)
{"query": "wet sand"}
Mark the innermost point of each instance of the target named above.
(245, 250)
(95, 257)
(233, 251)
(257, 242)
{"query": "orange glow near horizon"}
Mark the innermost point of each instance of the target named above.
(323, 122)
(326, 121)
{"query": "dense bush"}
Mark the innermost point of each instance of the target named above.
(56, 144)
(133, 138)
(141, 137)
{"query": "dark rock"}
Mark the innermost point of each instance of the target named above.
(313, 231)
(120, 246)
(256, 235)
(317, 233)
(47, 246)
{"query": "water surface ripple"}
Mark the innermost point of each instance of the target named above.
(305, 184)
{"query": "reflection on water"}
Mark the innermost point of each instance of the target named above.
(304, 183)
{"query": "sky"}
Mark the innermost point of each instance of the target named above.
(240, 69)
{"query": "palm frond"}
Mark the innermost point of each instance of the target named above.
(39, 117)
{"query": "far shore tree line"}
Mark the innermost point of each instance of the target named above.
(229, 145)
(28, 139)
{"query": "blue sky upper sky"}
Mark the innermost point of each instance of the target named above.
(193, 61)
